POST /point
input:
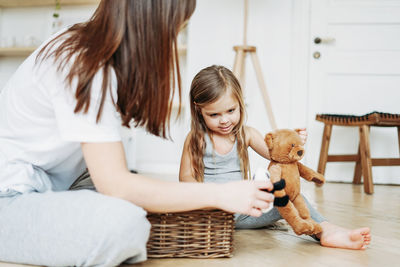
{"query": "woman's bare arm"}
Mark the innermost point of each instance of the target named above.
(107, 166)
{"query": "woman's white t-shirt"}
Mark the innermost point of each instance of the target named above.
(40, 135)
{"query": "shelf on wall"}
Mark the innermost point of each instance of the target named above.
(27, 3)
(16, 51)
(182, 49)
(26, 51)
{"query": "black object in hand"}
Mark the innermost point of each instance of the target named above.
(279, 201)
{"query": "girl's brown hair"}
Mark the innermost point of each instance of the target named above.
(137, 40)
(207, 86)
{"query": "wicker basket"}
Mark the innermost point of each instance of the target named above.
(192, 234)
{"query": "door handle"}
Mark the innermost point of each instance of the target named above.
(328, 40)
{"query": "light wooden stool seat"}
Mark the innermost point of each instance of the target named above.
(363, 159)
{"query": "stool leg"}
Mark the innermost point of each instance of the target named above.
(357, 169)
(366, 163)
(323, 155)
(398, 136)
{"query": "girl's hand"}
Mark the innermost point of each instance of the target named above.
(303, 134)
(245, 197)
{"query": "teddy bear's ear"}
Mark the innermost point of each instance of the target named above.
(269, 137)
(298, 130)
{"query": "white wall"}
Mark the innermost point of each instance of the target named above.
(217, 26)
(214, 29)
(281, 32)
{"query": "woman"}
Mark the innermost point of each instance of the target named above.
(61, 112)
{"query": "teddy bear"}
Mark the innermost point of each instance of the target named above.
(286, 150)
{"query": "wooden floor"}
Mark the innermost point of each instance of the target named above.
(343, 204)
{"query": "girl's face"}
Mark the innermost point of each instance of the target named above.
(222, 115)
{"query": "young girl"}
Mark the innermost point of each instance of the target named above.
(215, 150)
(61, 113)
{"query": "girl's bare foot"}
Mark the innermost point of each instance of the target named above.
(338, 237)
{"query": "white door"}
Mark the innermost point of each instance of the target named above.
(354, 69)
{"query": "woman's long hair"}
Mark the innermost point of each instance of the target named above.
(207, 86)
(138, 40)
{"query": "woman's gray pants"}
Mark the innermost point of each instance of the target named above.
(71, 228)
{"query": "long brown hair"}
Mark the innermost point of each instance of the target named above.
(137, 40)
(207, 86)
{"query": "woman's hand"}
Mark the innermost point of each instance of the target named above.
(245, 197)
(303, 134)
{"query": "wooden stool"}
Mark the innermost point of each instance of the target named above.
(363, 159)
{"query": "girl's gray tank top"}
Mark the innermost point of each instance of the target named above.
(221, 168)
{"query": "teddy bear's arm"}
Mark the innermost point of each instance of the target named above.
(310, 175)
